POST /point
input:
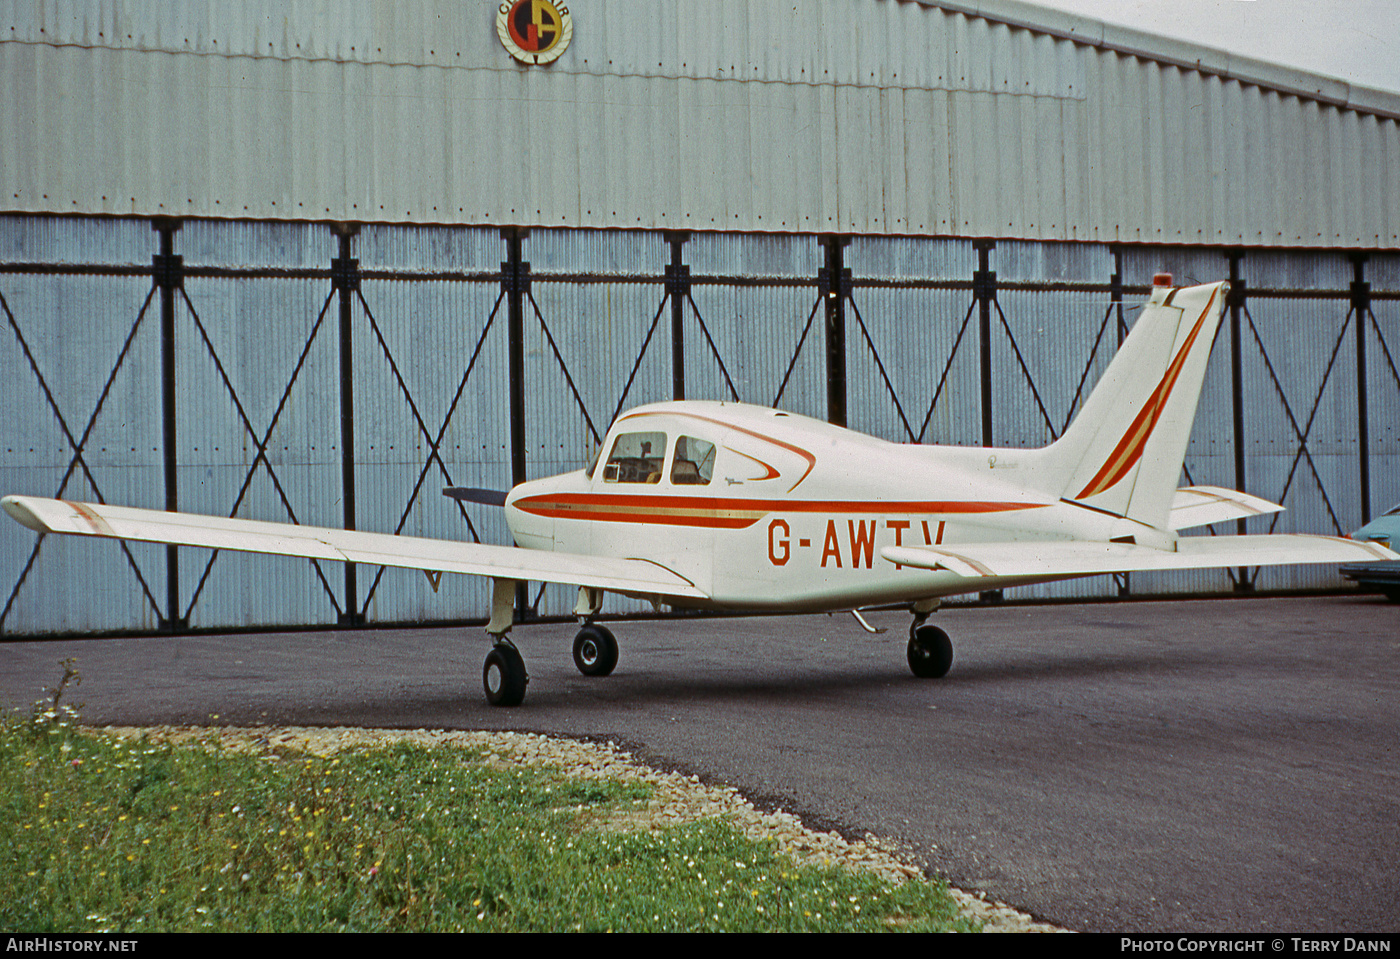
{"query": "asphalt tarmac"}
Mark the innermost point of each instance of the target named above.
(1212, 766)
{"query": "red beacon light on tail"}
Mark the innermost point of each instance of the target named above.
(1161, 279)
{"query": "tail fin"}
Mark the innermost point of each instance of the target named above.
(1123, 452)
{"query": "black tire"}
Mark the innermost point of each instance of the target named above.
(930, 652)
(1392, 593)
(595, 650)
(504, 677)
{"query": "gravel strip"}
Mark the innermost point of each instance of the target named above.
(677, 798)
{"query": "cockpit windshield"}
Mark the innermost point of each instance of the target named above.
(636, 458)
(641, 458)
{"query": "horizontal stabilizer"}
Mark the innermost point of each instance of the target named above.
(1079, 558)
(381, 549)
(1203, 505)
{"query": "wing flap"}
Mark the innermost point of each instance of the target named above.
(1203, 505)
(314, 542)
(1079, 558)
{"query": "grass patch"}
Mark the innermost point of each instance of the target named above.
(101, 834)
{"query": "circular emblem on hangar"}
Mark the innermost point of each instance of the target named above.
(534, 31)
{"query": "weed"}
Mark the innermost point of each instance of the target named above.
(49, 712)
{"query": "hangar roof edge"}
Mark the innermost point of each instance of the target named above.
(1181, 53)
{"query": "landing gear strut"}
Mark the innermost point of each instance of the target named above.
(595, 650)
(503, 674)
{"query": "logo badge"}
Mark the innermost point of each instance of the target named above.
(534, 31)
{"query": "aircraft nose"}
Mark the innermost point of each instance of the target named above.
(529, 527)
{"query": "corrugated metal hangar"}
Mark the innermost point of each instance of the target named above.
(273, 260)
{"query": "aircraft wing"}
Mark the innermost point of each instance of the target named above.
(283, 539)
(1203, 505)
(1081, 558)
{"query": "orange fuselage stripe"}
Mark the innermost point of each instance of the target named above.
(725, 513)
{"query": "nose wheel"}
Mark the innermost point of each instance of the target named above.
(930, 652)
(504, 676)
(595, 650)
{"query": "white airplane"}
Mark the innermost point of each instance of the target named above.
(725, 506)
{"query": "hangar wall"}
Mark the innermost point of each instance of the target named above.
(251, 336)
(851, 116)
(261, 363)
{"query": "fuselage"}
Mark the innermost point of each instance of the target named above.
(764, 509)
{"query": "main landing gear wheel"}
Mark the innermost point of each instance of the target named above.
(595, 650)
(930, 652)
(504, 676)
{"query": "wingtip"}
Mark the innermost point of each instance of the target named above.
(22, 513)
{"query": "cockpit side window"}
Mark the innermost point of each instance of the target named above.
(636, 458)
(694, 463)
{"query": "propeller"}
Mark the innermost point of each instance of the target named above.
(470, 494)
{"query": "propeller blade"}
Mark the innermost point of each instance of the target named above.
(470, 494)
